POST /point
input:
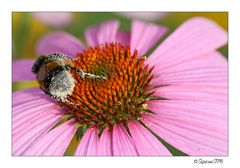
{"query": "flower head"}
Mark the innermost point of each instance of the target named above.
(177, 95)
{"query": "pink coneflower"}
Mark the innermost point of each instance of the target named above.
(177, 95)
(55, 19)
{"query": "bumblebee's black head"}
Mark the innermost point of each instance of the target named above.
(39, 62)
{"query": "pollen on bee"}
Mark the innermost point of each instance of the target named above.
(62, 85)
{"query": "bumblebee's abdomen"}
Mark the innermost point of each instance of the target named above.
(61, 85)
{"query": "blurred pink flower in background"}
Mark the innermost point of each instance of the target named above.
(150, 16)
(55, 19)
(189, 73)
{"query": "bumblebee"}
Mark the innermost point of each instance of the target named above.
(53, 74)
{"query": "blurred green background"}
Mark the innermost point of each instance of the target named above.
(28, 28)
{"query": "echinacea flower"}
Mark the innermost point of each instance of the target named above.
(177, 95)
(54, 19)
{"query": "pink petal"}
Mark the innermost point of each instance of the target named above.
(208, 60)
(211, 67)
(32, 130)
(104, 147)
(123, 38)
(193, 110)
(108, 32)
(88, 143)
(59, 42)
(196, 128)
(24, 112)
(145, 142)
(31, 109)
(29, 96)
(217, 75)
(197, 92)
(91, 36)
(187, 140)
(22, 70)
(194, 38)
(31, 119)
(144, 36)
(55, 142)
(122, 142)
(91, 145)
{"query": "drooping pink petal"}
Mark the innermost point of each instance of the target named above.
(211, 67)
(24, 112)
(55, 142)
(32, 118)
(192, 109)
(193, 91)
(104, 147)
(144, 36)
(22, 70)
(208, 60)
(122, 143)
(194, 127)
(88, 143)
(146, 144)
(59, 42)
(30, 96)
(217, 75)
(188, 140)
(193, 38)
(123, 38)
(108, 32)
(91, 36)
(32, 130)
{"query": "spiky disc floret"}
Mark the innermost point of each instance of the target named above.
(120, 97)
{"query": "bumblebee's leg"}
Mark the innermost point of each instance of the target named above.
(84, 74)
(89, 75)
(80, 72)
